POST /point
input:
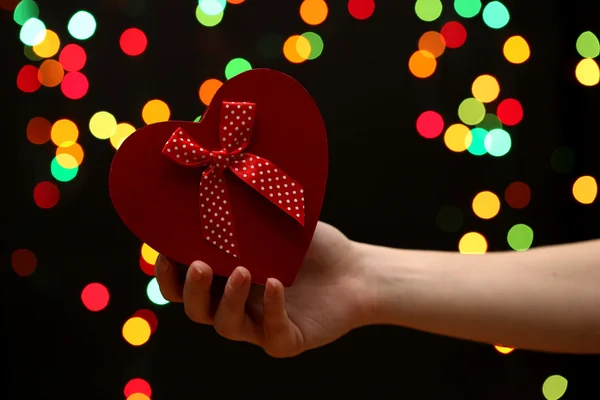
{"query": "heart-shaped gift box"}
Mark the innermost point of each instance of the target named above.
(244, 186)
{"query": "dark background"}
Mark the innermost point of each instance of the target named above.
(54, 348)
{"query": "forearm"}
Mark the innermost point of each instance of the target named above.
(545, 299)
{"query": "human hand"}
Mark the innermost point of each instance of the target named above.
(326, 300)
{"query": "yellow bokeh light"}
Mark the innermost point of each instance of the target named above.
(49, 46)
(486, 205)
(66, 161)
(422, 64)
(155, 111)
(458, 137)
(472, 243)
(504, 350)
(516, 50)
(587, 72)
(313, 12)
(485, 88)
(296, 49)
(149, 254)
(136, 331)
(138, 396)
(64, 133)
(51, 73)
(103, 125)
(585, 189)
(122, 132)
(75, 150)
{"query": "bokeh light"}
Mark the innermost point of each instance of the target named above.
(495, 15)
(476, 142)
(433, 43)
(28, 51)
(422, 64)
(587, 45)
(82, 25)
(207, 19)
(95, 296)
(450, 219)
(61, 173)
(154, 293)
(155, 111)
(485, 88)
(430, 124)
(516, 50)
(72, 57)
(122, 132)
(490, 122)
(146, 267)
(587, 72)
(458, 138)
(520, 237)
(136, 331)
(296, 49)
(236, 66)
(313, 12)
(133, 42)
(137, 385)
(554, 387)
(497, 142)
(49, 46)
(208, 89)
(149, 316)
(33, 32)
(149, 254)
(454, 34)
(27, 79)
(504, 350)
(486, 205)
(361, 9)
(103, 125)
(198, 118)
(38, 130)
(428, 10)
(46, 195)
(51, 73)
(585, 189)
(517, 195)
(64, 132)
(74, 156)
(316, 44)
(138, 396)
(24, 262)
(510, 112)
(8, 5)
(467, 8)
(472, 243)
(563, 160)
(74, 85)
(471, 111)
(235, 1)
(25, 10)
(212, 7)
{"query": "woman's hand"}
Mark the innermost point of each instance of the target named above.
(327, 299)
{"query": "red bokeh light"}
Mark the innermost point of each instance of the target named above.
(38, 130)
(46, 194)
(24, 262)
(27, 79)
(149, 317)
(510, 112)
(146, 267)
(361, 9)
(72, 57)
(518, 195)
(454, 33)
(74, 85)
(137, 385)
(95, 297)
(430, 124)
(133, 42)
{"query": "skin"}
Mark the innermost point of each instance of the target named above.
(545, 299)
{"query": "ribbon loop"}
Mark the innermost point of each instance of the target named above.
(235, 132)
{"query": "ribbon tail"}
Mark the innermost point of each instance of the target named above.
(215, 212)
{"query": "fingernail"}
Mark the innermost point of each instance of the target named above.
(196, 273)
(238, 279)
(269, 288)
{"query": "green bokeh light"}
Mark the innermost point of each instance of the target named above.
(450, 219)
(467, 8)
(563, 160)
(25, 10)
(198, 118)
(316, 44)
(208, 20)
(428, 10)
(154, 294)
(496, 15)
(497, 142)
(33, 32)
(236, 66)
(212, 7)
(61, 173)
(471, 111)
(477, 146)
(490, 122)
(82, 25)
(588, 45)
(554, 387)
(520, 237)
(28, 51)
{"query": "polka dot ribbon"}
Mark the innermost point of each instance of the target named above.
(235, 131)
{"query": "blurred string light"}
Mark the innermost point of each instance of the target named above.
(361, 9)
(72, 58)
(497, 142)
(422, 64)
(28, 52)
(485, 88)
(236, 66)
(554, 387)
(138, 396)
(313, 12)
(433, 43)
(149, 316)
(146, 267)
(510, 112)
(587, 72)
(212, 7)
(520, 237)
(316, 44)
(33, 32)
(477, 142)
(467, 8)
(137, 385)
(103, 125)
(516, 50)
(208, 89)
(450, 219)
(27, 79)
(458, 138)
(585, 189)
(209, 19)
(46, 195)
(136, 331)
(235, 1)
(82, 25)
(74, 85)
(133, 42)
(95, 296)
(504, 350)
(154, 294)
(155, 111)
(51, 73)
(472, 243)
(149, 254)
(428, 10)
(122, 131)
(486, 205)
(38, 130)
(471, 111)
(64, 133)
(296, 49)
(587, 45)
(25, 10)
(24, 262)
(430, 124)
(517, 195)
(454, 34)
(495, 15)
(562, 160)
(49, 46)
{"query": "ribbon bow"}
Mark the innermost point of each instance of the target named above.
(235, 131)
